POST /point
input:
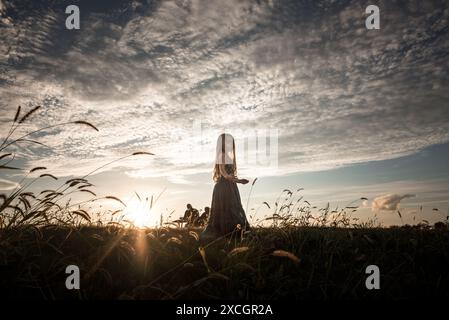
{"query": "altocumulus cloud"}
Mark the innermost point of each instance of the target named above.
(143, 72)
(389, 202)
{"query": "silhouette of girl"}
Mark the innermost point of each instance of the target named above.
(226, 210)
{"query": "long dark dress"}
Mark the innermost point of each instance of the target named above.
(226, 211)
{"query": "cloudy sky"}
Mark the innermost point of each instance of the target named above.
(353, 112)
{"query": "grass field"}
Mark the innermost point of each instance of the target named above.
(316, 263)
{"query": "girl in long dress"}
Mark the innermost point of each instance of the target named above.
(227, 214)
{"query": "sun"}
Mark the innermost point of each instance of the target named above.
(140, 214)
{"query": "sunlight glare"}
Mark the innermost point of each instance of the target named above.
(140, 214)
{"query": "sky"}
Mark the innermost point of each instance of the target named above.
(345, 112)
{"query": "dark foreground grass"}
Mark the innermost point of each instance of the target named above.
(119, 263)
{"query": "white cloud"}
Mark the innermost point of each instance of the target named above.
(389, 202)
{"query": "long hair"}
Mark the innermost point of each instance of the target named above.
(225, 154)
